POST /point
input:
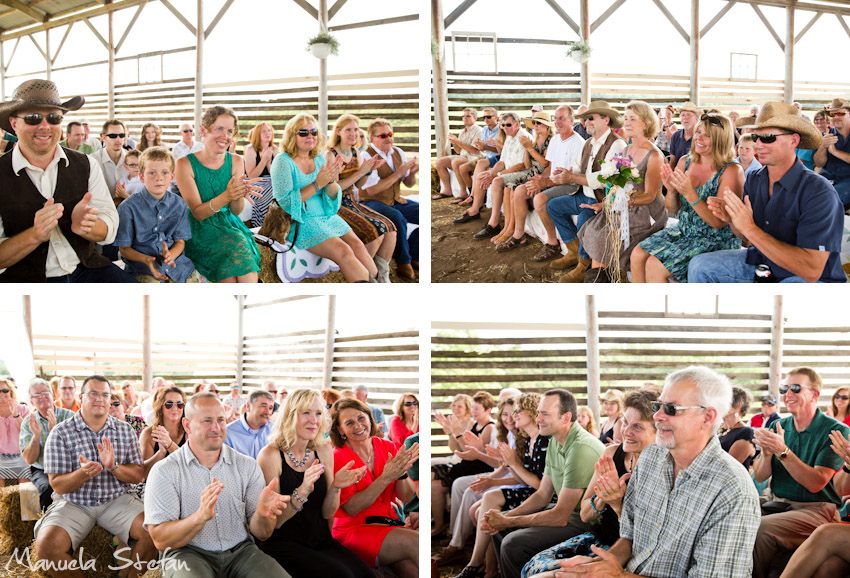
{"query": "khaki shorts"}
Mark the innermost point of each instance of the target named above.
(116, 517)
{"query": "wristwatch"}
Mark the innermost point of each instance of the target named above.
(784, 454)
(114, 468)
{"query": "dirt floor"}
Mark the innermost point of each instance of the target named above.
(458, 258)
(437, 546)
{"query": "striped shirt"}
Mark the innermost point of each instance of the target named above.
(61, 414)
(705, 526)
(73, 438)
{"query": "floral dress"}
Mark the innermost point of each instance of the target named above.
(317, 215)
(513, 180)
(677, 245)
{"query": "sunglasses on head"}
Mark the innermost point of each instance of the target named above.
(171, 404)
(711, 118)
(836, 396)
(115, 135)
(385, 135)
(831, 114)
(767, 137)
(794, 387)
(670, 408)
(35, 118)
(411, 403)
(308, 132)
(115, 404)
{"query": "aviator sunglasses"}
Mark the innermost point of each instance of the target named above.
(670, 408)
(308, 132)
(171, 404)
(794, 387)
(35, 118)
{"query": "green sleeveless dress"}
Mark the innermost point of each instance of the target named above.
(221, 245)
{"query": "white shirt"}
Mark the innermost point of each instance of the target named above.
(596, 144)
(513, 152)
(373, 176)
(112, 172)
(561, 153)
(180, 150)
(61, 257)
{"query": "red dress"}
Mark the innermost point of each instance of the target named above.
(399, 431)
(352, 531)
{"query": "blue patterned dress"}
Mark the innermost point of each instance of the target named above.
(317, 215)
(676, 246)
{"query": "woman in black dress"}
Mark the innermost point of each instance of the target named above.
(299, 456)
(612, 406)
(736, 439)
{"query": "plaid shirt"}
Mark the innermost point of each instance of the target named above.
(73, 438)
(704, 527)
(26, 433)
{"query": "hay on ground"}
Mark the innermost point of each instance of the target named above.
(98, 546)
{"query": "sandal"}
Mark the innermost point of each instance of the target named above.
(441, 195)
(460, 200)
(472, 572)
(512, 243)
(467, 201)
(547, 252)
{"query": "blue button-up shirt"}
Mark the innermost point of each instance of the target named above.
(836, 169)
(488, 133)
(245, 440)
(144, 223)
(804, 211)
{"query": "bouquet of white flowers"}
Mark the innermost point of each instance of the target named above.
(619, 176)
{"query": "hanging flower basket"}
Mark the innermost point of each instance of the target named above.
(323, 45)
(579, 51)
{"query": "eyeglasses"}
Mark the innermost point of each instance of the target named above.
(187, 130)
(171, 404)
(35, 118)
(115, 404)
(385, 135)
(308, 132)
(115, 135)
(94, 395)
(133, 166)
(711, 118)
(836, 396)
(68, 388)
(411, 403)
(767, 137)
(489, 116)
(831, 114)
(5, 390)
(467, 116)
(768, 403)
(38, 395)
(670, 408)
(272, 391)
(794, 387)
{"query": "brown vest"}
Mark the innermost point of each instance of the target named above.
(598, 159)
(391, 196)
(20, 200)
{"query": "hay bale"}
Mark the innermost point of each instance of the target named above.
(435, 180)
(14, 532)
(155, 573)
(99, 545)
(268, 266)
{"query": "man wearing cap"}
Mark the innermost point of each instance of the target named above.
(833, 155)
(54, 204)
(791, 217)
(768, 413)
(599, 120)
(464, 152)
(680, 142)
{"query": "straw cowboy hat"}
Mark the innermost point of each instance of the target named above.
(690, 107)
(746, 122)
(35, 94)
(539, 116)
(839, 104)
(602, 107)
(777, 114)
(613, 395)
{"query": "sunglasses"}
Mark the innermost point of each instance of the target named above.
(171, 404)
(536, 122)
(35, 118)
(794, 387)
(488, 116)
(711, 118)
(831, 114)
(385, 135)
(270, 243)
(115, 404)
(115, 135)
(5, 390)
(308, 132)
(506, 125)
(591, 117)
(770, 403)
(411, 403)
(188, 130)
(670, 408)
(767, 138)
(836, 396)
(38, 395)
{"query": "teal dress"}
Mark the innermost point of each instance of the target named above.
(676, 246)
(317, 215)
(221, 245)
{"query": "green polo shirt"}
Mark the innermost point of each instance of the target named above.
(812, 446)
(571, 465)
(85, 148)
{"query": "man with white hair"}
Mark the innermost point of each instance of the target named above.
(690, 509)
(463, 153)
(361, 392)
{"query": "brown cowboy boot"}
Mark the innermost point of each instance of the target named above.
(568, 260)
(577, 274)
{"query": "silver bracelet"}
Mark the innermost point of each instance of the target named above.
(297, 497)
(211, 208)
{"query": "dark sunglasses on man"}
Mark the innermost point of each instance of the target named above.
(670, 408)
(35, 118)
(794, 387)
(767, 138)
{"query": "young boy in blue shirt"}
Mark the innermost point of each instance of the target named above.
(154, 225)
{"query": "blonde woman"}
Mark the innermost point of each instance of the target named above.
(12, 414)
(585, 420)
(259, 154)
(306, 187)
(612, 406)
(301, 459)
(839, 407)
(405, 422)
(151, 137)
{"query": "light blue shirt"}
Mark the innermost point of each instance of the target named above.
(245, 440)
(378, 415)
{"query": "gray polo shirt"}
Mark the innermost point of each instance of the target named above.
(174, 487)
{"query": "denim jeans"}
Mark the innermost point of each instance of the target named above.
(401, 215)
(560, 209)
(726, 267)
(843, 190)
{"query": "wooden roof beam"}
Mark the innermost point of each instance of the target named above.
(604, 16)
(455, 14)
(392, 20)
(769, 27)
(74, 15)
(717, 18)
(809, 25)
(217, 18)
(564, 16)
(843, 24)
(33, 13)
(308, 8)
(62, 43)
(825, 8)
(129, 27)
(335, 8)
(180, 17)
(673, 20)
(96, 33)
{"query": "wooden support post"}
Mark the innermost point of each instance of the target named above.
(28, 318)
(199, 67)
(789, 54)
(240, 339)
(330, 336)
(323, 71)
(593, 365)
(441, 94)
(48, 60)
(110, 48)
(2, 71)
(695, 34)
(777, 324)
(147, 364)
(585, 66)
